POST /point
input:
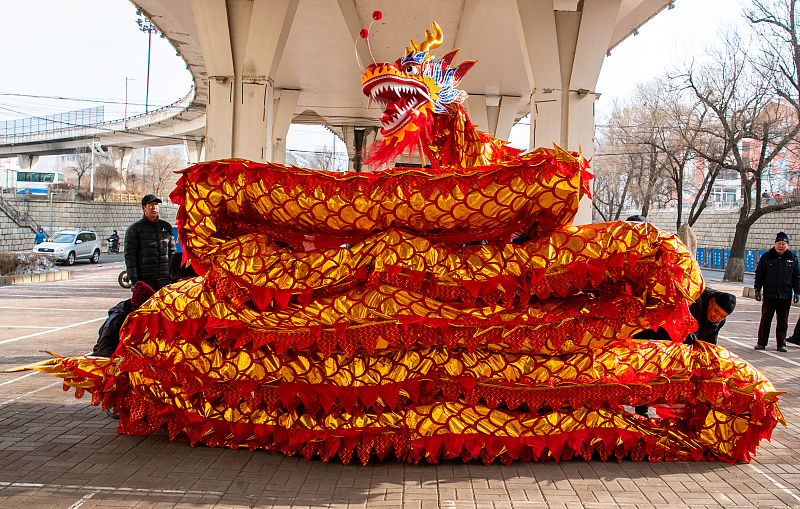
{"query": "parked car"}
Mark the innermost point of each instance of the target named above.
(70, 245)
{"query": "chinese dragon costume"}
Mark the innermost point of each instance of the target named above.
(342, 313)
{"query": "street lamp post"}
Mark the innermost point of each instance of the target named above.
(150, 29)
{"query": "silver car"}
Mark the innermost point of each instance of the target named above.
(70, 245)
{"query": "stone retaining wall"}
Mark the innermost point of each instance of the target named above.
(100, 217)
(715, 228)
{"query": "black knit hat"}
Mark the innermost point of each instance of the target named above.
(638, 219)
(725, 301)
(782, 237)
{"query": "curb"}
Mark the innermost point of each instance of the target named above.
(43, 277)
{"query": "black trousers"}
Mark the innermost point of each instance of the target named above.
(779, 308)
(796, 334)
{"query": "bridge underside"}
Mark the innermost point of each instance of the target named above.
(260, 65)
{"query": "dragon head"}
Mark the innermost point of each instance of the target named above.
(413, 88)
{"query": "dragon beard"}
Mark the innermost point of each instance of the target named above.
(416, 134)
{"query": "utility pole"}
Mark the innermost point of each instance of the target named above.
(91, 181)
(150, 29)
(126, 100)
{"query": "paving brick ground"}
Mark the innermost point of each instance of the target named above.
(59, 452)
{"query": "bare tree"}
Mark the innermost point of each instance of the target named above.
(612, 176)
(631, 148)
(743, 106)
(325, 159)
(132, 181)
(81, 164)
(106, 176)
(159, 174)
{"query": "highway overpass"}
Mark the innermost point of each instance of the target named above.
(259, 65)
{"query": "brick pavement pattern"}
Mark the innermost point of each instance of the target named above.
(59, 452)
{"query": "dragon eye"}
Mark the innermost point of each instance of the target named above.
(411, 69)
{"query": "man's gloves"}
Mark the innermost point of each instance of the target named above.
(758, 295)
(796, 298)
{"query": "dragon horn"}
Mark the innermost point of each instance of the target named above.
(432, 40)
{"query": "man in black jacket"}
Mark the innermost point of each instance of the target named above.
(148, 245)
(709, 310)
(777, 274)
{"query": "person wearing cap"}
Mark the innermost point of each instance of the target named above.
(777, 275)
(149, 243)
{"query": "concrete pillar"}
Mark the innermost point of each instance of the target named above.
(563, 52)
(193, 146)
(506, 115)
(493, 114)
(121, 156)
(27, 162)
(476, 108)
(349, 139)
(242, 43)
(284, 104)
(357, 139)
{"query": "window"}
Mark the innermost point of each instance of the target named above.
(64, 238)
(32, 176)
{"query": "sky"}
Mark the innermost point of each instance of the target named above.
(84, 51)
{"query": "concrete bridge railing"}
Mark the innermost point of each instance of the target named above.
(87, 131)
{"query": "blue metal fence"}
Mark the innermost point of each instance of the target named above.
(718, 259)
(750, 260)
(177, 240)
(713, 258)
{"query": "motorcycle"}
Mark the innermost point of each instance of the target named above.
(123, 279)
(113, 245)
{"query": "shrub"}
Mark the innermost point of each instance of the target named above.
(12, 264)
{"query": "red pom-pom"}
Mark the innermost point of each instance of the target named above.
(364, 33)
(377, 15)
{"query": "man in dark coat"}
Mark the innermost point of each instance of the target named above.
(148, 245)
(709, 310)
(777, 275)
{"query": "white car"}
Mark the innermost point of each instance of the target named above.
(70, 245)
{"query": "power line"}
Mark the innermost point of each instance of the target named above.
(104, 101)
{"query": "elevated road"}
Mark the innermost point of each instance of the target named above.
(259, 65)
